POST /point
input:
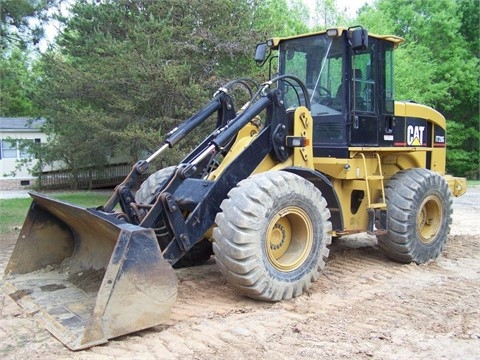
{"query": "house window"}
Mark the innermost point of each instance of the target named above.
(11, 149)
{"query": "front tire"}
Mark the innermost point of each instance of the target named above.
(149, 189)
(419, 208)
(272, 235)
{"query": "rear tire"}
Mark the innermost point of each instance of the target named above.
(149, 189)
(272, 235)
(419, 208)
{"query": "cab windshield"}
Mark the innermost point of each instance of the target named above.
(317, 61)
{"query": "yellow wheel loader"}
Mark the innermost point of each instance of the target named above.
(321, 150)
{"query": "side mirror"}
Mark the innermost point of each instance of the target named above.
(358, 38)
(260, 53)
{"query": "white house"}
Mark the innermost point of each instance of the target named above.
(17, 128)
(13, 177)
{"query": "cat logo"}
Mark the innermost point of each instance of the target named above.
(415, 135)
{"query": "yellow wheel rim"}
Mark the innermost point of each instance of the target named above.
(289, 239)
(429, 219)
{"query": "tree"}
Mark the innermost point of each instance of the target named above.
(16, 84)
(21, 21)
(20, 28)
(327, 14)
(271, 18)
(469, 13)
(124, 72)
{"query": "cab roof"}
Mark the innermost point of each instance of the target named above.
(396, 40)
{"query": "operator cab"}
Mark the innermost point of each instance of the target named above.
(349, 78)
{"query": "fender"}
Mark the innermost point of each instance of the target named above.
(322, 183)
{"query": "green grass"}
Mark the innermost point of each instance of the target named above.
(14, 211)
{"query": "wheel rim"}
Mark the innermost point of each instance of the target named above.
(289, 239)
(429, 219)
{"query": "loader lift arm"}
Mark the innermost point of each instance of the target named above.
(222, 103)
(202, 198)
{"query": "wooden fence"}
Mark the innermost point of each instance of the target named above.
(85, 179)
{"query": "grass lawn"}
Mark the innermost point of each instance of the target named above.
(14, 211)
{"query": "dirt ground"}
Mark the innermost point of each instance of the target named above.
(364, 306)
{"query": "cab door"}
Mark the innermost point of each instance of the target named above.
(363, 89)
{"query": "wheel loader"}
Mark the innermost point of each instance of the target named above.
(320, 150)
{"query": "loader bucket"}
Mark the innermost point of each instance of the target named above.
(86, 276)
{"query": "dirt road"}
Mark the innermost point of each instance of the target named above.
(364, 306)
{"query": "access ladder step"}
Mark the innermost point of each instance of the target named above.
(378, 206)
(375, 177)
